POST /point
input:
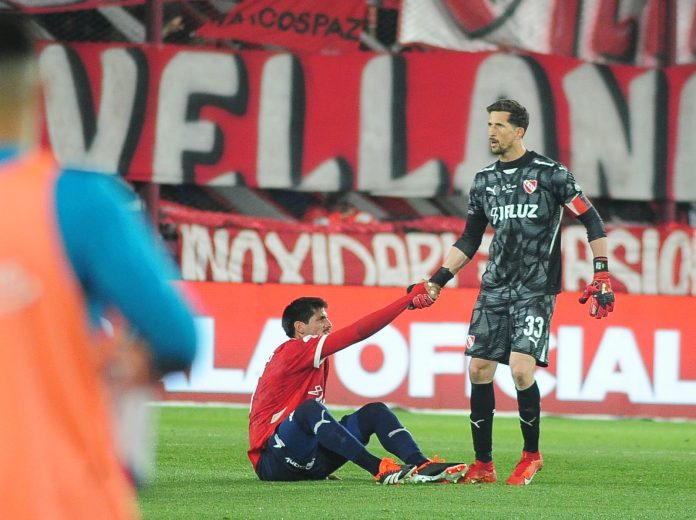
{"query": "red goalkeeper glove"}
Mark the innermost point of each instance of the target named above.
(424, 295)
(599, 291)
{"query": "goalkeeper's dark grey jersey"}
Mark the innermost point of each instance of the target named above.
(523, 201)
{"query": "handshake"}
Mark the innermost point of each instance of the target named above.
(427, 291)
(424, 294)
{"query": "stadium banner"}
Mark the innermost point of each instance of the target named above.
(639, 362)
(636, 32)
(57, 6)
(403, 125)
(643, 260)
(300, 25)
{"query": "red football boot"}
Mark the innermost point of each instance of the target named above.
(481, 473)
(526, 468)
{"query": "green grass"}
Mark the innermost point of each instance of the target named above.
(593, 469)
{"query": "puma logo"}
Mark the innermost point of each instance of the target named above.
(320, 422)
(278, 441)
(476, 423)
(528, 423)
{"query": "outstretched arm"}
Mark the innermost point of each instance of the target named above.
(455, 260)
(462, 251)
(367, 326)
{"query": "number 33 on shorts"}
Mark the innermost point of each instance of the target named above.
(536, 332)
(534, 327)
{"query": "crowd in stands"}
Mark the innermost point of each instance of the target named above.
(340, 207)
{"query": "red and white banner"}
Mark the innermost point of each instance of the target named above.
(637, 32)
(640, 361)
(411, 125)
(643, 260)
(329, 26)
(50, 6)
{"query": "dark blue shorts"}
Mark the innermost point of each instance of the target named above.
(299, 456)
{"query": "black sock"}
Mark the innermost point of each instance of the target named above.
(482, 411)
(529, 405)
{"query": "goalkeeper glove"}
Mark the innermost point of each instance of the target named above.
(599, 290)
(433, 287)
(424, 295)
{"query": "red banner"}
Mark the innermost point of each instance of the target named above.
(640, 361)
(413, 124)
(643, 260)
(300, 25)
(636, 32)
(50, 6)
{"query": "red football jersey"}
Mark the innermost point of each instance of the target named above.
(294, 373)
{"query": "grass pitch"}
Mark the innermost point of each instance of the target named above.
(593, 469)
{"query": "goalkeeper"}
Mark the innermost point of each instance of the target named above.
(292, 436)
(522, 196)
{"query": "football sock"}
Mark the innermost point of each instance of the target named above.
(482, 411)
(378, 419)
(529, 404)
(367, 461)
(314, 417)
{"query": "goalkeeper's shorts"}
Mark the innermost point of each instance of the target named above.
(500, 326)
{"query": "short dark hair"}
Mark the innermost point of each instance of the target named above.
(302, 310)
(518, 114)
(17, 38)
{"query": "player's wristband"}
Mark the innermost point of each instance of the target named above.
(600, 263)
(441, 277)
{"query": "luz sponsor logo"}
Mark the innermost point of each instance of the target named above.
(510, 211)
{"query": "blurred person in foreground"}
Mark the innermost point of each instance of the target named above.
(522, 196)
(70, 250)
(293, 436)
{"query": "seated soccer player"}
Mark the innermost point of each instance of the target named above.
(293, 436)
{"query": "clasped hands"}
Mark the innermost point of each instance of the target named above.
(424, 294)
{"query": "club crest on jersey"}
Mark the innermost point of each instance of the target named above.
(469, 341)
(529, 185)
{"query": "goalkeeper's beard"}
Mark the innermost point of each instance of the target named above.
(498, 150)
